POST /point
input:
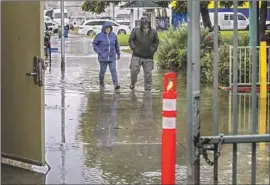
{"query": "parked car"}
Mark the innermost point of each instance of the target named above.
(92, 27)
(52, 26)
(47, 18)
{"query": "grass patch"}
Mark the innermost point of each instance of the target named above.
(227, 37)
(74, 30)
(123, 39)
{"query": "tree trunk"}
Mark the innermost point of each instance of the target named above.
(205, 17)
(263, 17)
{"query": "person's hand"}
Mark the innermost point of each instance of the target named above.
(118, 57)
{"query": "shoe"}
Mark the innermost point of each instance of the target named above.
(102, 87)
(117, 87)
(131, 86)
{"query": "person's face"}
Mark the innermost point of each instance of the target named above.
(145, 25)
(108, 29)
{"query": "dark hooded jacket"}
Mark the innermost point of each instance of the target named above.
(143, 45)
(106, 45)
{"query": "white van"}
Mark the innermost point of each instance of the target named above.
(55, 14)
(225, 20)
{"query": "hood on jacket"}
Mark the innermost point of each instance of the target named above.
(106, 25)
(145, 19)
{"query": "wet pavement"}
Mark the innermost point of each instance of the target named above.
(95, 137)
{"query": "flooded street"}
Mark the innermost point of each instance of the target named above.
(96, 137)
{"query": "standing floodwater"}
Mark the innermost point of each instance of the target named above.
(102, 137)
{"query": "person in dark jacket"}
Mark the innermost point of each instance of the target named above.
(106, 46)
(143, 41)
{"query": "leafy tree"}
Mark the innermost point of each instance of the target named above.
(99, 7)
(205, 14)
(263, 17)
(181, 7)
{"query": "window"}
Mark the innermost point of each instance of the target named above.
(226, 17)
(58, 15)
(49, 24)
(241, 17)
(114, 24)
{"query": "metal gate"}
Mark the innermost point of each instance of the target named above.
(200, 146)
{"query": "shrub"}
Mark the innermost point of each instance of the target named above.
(172, 54)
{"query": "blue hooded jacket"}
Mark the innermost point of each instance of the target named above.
(106, 45)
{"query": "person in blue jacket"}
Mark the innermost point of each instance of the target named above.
(106, 46)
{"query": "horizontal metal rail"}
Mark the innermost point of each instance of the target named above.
(235, 139)
(247, 84)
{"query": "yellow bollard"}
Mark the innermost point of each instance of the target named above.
(263, 90)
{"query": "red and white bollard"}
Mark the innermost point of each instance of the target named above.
(168, 152)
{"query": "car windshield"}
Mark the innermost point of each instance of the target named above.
(58, 15)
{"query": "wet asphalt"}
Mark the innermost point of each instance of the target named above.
(104, 137)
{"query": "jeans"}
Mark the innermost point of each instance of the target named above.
(103, 68)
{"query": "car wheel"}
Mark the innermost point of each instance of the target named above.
(268, 27)
(247, 28)
(122, 32)
(90, 32)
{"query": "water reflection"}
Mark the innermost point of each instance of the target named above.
(245, 124)
(106, 128)
(124, 139)
(63, 136)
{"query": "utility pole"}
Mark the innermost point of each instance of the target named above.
(62, 5)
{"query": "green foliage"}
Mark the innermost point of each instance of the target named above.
(228, 4)
(97, 7)
(172, 54)
(181, 7)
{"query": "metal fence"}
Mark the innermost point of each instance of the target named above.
(245, 65)
(199, 146)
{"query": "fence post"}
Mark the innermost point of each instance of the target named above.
(168, 153)
(263, 89)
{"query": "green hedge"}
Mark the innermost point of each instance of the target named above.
(172, 54)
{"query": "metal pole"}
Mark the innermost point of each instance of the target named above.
(196, 86)
(113, 7)
(254, 84)
(250, 16)
(235, 89)
(215, 87)
(62, 37)
(216, 62)
(190, 149)
(63, 138)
